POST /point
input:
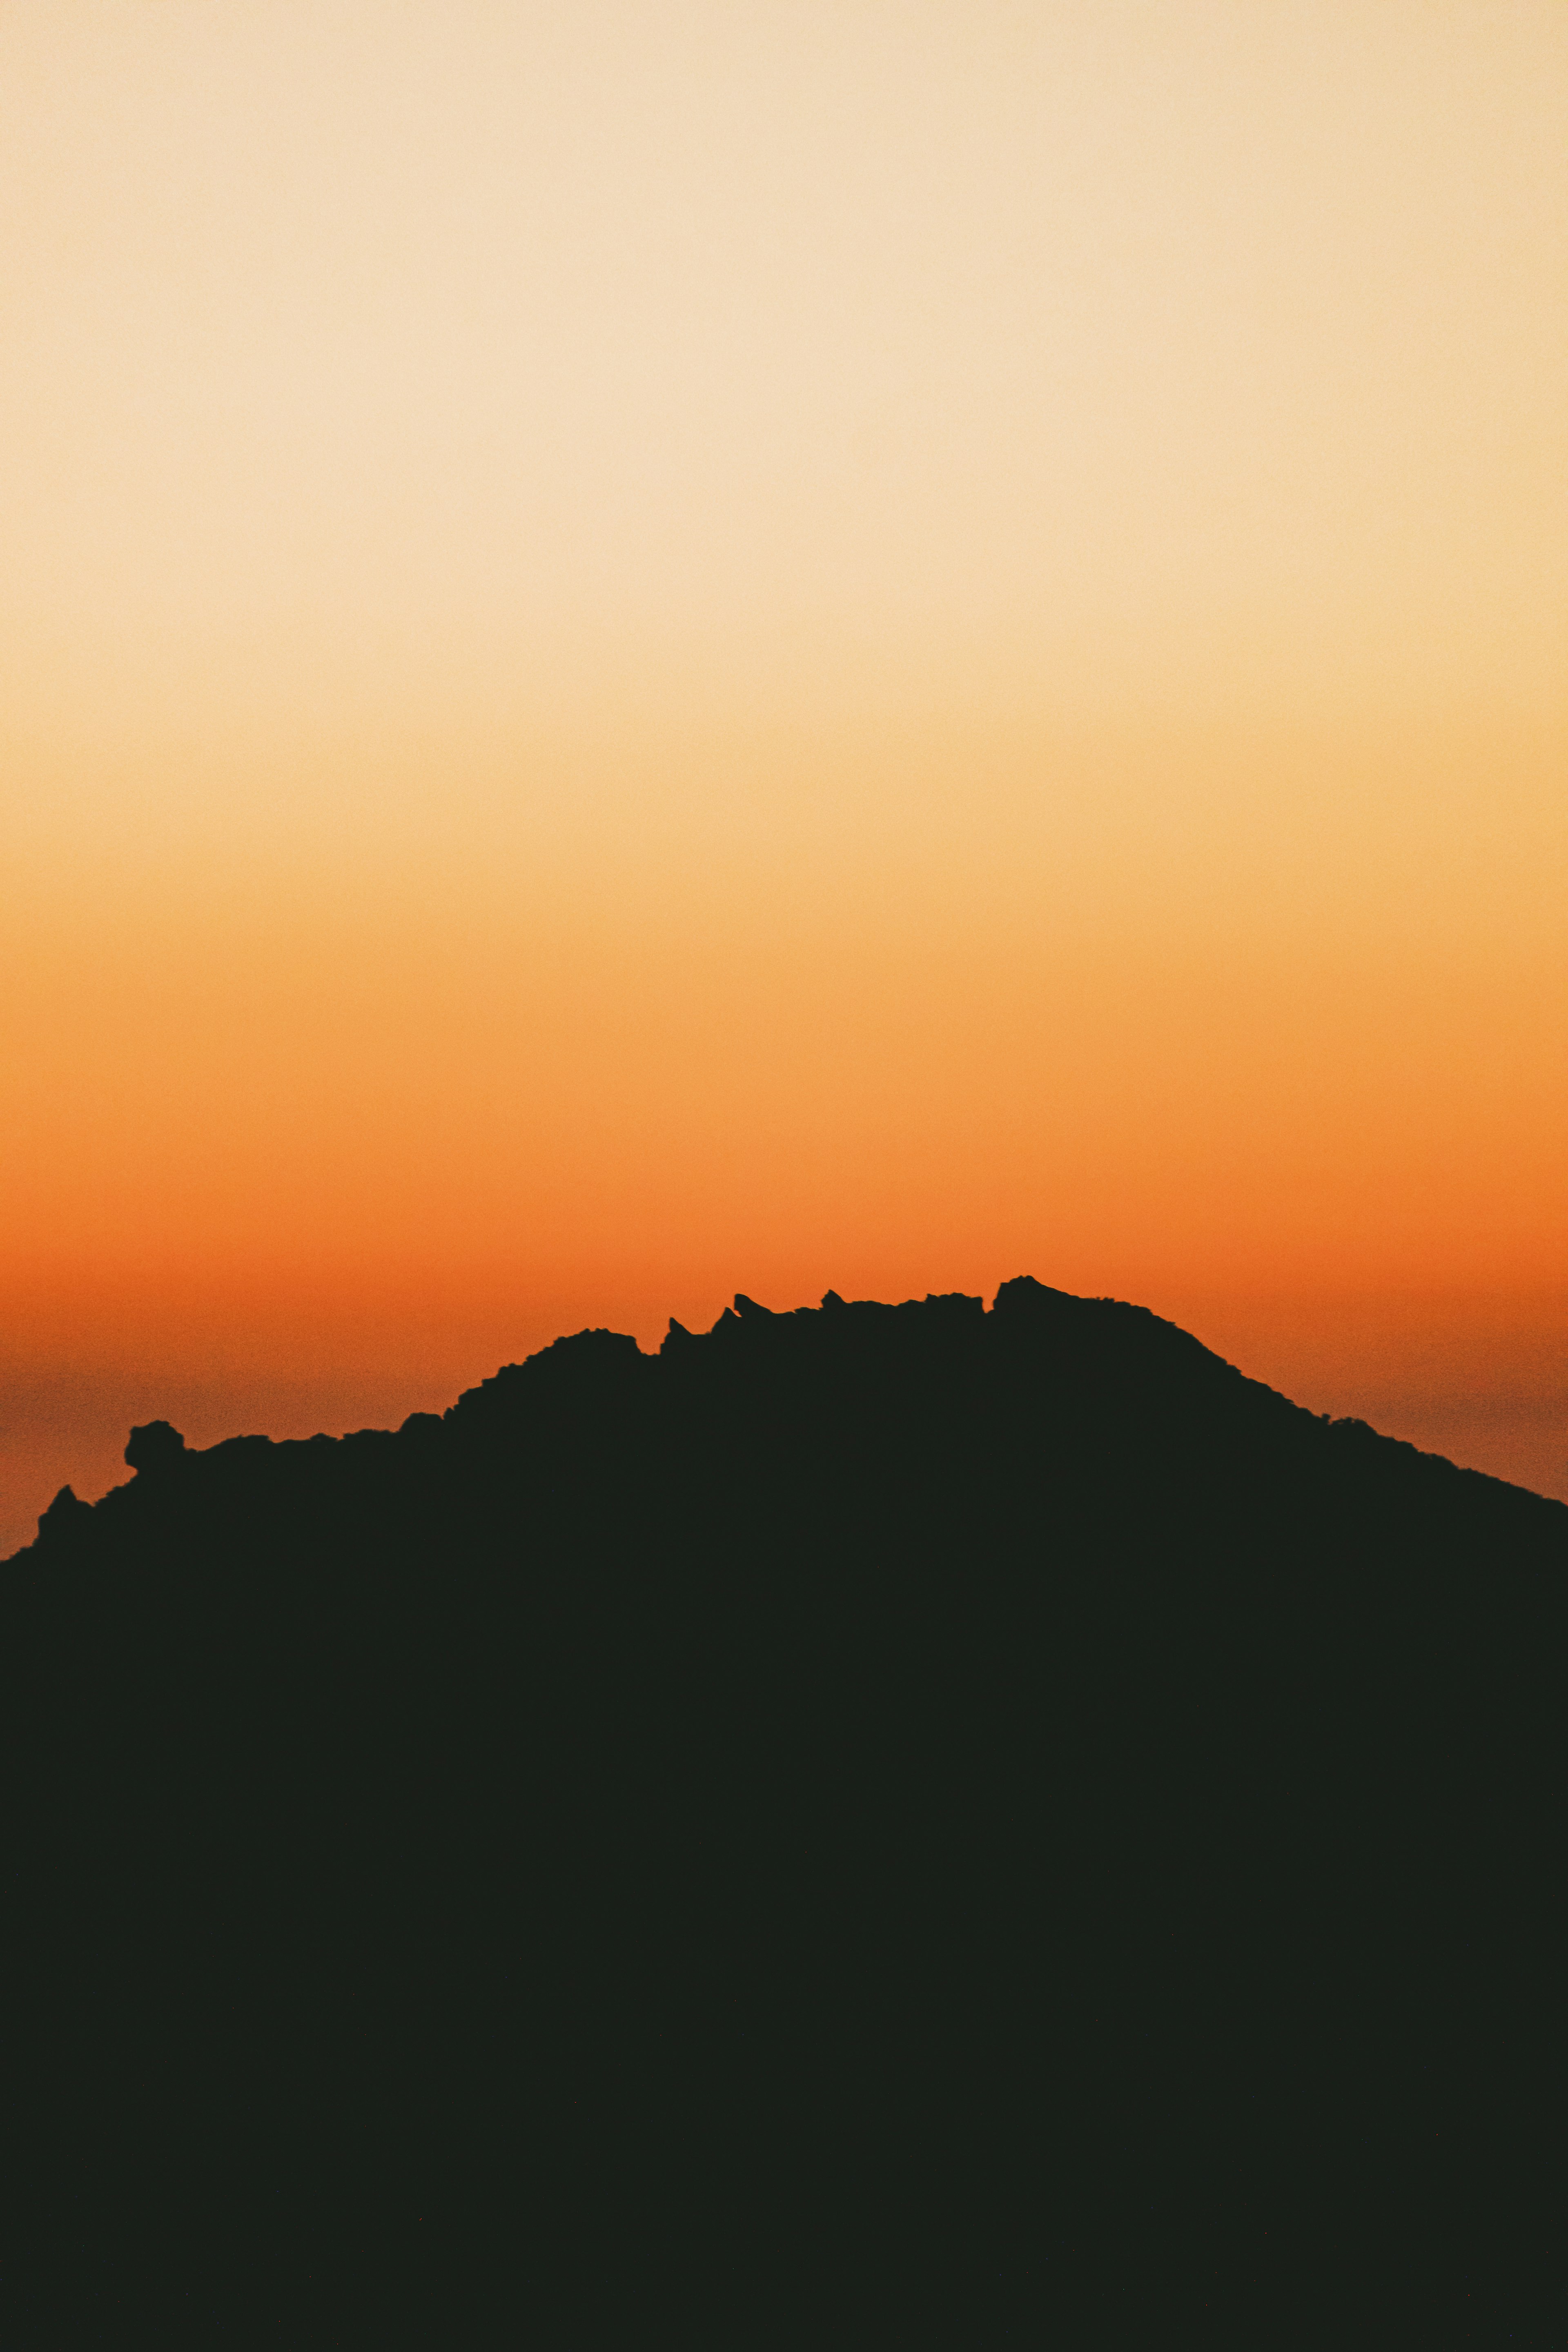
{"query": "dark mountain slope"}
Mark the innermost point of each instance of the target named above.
(875, 1820)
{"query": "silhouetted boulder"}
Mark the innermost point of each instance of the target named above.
(420, 1424)
(155, 1449)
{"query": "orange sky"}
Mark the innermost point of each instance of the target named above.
(654, 649)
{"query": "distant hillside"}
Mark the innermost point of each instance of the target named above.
(872, 1823)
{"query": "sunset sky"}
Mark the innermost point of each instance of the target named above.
(655, 649)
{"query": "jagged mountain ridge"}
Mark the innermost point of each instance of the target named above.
(907, 1813)
(1091, 1364)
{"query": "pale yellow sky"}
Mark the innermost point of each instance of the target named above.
(498, 367)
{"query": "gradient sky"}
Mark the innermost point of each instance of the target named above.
(653, 649)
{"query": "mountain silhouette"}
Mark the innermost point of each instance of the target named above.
(872, 1824)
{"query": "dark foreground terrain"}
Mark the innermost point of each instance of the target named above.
(874, 1825)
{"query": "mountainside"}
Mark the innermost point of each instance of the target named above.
(873, 1819)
